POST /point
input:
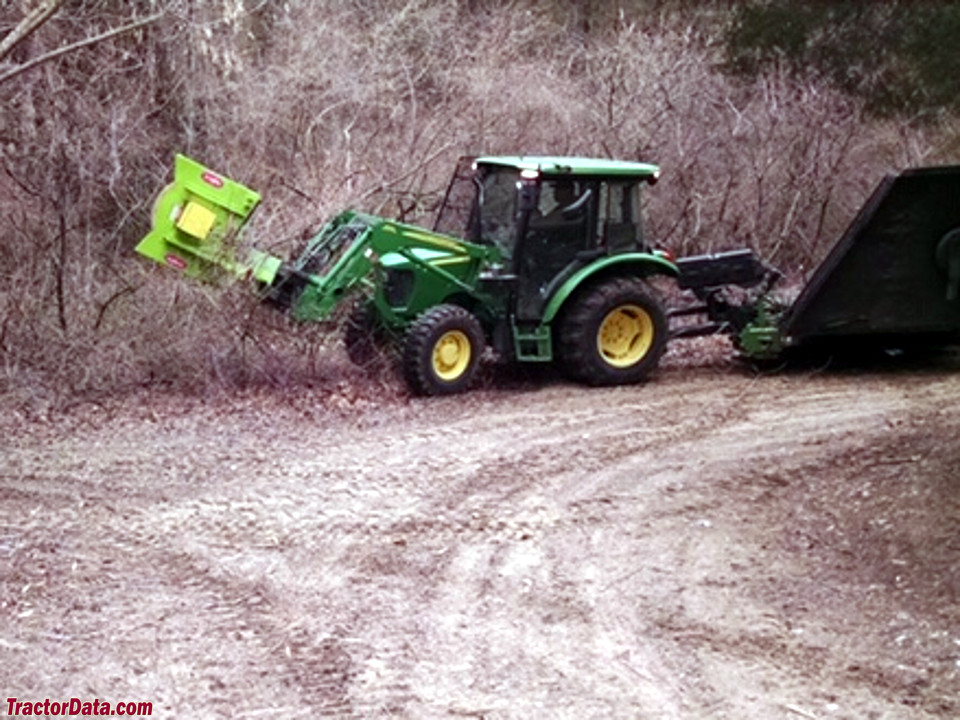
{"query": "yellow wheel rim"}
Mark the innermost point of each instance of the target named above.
(451, 355)
(625, 336)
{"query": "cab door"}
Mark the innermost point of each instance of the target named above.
(556, 237)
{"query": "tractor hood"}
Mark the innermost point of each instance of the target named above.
(396, 261)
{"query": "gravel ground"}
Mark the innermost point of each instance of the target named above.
(712, 544)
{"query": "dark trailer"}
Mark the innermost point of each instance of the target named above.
(894, 275)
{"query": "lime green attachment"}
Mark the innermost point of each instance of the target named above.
(196, 227)
(197, 221)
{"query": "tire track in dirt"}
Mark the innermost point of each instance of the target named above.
(624, 552)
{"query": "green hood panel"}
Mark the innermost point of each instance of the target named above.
(396, 261)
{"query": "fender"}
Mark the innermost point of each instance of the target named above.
(641, 264)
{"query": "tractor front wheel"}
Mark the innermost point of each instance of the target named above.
(442, 351)
(613, 334)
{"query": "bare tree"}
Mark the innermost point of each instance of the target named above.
(54, 54)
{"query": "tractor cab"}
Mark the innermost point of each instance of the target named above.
(548, 216)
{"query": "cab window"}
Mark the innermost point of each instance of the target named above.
(494, 212)
(618, 221)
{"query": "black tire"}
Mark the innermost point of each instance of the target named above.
(614, 333)
(442, 351)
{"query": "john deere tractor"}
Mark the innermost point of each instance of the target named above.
(544, 260)
(541, 258)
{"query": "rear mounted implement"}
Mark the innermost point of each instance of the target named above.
(891, 281)
(894, 275)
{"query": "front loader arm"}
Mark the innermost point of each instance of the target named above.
(197, 221)
(356, 250)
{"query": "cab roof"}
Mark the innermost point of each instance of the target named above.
(552, 165)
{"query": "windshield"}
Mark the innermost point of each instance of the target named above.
(454, 213)
(480, 206)
(494, 213)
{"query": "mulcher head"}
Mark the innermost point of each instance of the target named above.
(197, 220)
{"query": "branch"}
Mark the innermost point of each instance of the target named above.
(25, 28)
(380, 187)
(77, 45)
(103, 308)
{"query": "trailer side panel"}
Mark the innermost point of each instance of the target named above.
(895, 273)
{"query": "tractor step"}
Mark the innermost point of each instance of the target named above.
(533, 344)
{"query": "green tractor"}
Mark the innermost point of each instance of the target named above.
(541, 258)
(544, 260)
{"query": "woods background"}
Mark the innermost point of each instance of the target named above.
(772, 122)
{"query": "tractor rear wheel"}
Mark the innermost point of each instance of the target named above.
(442, 351)
(613, 334)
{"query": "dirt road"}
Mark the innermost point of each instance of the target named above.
(713, 544)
